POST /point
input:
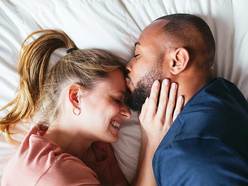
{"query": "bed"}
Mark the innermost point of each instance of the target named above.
(115, 25)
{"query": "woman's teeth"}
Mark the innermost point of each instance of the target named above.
(115, 124)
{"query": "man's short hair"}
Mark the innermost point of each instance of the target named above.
(178, 26)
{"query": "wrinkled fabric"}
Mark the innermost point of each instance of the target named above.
(41, 162)
(207, 143)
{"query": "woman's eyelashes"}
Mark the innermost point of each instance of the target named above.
(136, 56)
(119, 101)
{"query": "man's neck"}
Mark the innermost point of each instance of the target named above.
(189, 86)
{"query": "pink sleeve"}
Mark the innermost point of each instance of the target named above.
(41, 162)
(68, 171)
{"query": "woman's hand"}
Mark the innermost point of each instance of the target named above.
(158, 112)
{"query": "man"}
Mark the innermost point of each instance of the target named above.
(207, 143)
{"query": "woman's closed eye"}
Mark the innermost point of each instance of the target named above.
(136, 56)
(118, 100)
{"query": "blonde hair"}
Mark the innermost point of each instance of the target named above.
(39, 88)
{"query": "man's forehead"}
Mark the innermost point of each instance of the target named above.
(152, 31)
(156, 26)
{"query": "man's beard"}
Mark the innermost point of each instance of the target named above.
(136, 99)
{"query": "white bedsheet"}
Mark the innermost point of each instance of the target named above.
(115, 25)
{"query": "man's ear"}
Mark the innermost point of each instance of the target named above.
(74, 95)
(179, 61)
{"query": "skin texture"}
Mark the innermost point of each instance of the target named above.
(162, 56)
(156, 117)
(97, 108)
(102, 105)
(145, 67)
(158, 56)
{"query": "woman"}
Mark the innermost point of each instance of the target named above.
(81, 99)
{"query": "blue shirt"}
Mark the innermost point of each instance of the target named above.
(208, 142)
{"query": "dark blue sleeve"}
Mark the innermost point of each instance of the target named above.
(194, 162)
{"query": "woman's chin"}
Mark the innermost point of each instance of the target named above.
(114, 132)
(113, 136)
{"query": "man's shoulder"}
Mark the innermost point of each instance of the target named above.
(218, 95)
(201, 160)
(204, 150)
(189, 149)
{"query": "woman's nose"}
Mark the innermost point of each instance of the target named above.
(129, 65)
(125, 112)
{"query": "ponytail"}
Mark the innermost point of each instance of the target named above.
(32, 68)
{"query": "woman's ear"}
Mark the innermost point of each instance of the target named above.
(179, 62)
(74, 95)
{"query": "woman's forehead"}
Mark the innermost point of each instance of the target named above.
(114, 83)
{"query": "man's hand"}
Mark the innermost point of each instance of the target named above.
(159, 111)
(157, 115)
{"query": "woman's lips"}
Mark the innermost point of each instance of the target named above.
(115, 128)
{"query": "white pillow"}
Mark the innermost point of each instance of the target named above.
(115, 26)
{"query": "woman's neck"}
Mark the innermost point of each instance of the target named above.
(69, 141)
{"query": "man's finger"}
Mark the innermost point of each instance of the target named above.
(163, 99)
(153, 99)
(171, 105)
(179, 106)
(143, 110)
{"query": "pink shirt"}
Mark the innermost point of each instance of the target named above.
(40, 162)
